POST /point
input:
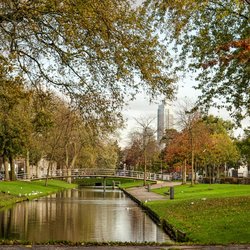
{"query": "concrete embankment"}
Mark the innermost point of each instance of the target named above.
(142, 195)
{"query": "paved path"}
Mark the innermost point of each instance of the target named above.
(142, 193)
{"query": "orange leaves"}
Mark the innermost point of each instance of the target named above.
(235, 50)
(244, 44)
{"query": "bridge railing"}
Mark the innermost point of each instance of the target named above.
(88, 172)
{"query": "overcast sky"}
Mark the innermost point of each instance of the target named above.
(141, 108)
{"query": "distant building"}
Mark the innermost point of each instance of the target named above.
(165, 119)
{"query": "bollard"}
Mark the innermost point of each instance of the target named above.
(104, 184)
(148, 187)
(171, 192)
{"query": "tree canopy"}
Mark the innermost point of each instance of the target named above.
(15, 126)
(244, 147)
(211, 146)
(94, 51)
(211, 38)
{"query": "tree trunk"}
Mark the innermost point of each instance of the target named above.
(48, 169)
(71, 165)
(145, 168)
(27, 165)
(69, 178)
(37, 175)
(184, 172)
(218, 172)
(195, 171)
(206, 171)
(225, 170)
(6, 168)
(192, 167)
(12, 169)
(192, 158)
(210, 174)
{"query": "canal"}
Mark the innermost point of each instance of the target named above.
(80, 215)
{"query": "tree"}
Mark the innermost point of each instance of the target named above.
(244, 147)
(143, 149)
(15, 126)
(188, 117)
(219, 125)
(178, 151)
(42, 121)
(212, 38)
(221, 151)
(222, 148)
(107, 154)
(64, 138)
(61, 133)
(208, 146)
(94, 51)
(148, 141)
(72, 137)
(133, 152)
(186, 147)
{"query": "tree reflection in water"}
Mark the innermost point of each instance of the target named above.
(80, 215)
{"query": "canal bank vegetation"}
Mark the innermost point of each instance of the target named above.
(136, 183)
(16, 191)
(95, 181)
(121, 182)
(207, 214)
(60, 243)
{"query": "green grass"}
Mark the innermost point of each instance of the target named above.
(124, 182)
(15, 191)
(209, 214)
(93, 180)
(135, 183)
(200, 191)
(7, 200)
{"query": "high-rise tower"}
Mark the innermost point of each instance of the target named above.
(165, 119)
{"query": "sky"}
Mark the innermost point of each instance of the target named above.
(141, 108)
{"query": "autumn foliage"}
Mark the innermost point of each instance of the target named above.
(211, 147)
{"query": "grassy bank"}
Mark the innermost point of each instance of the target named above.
(122, 182)
(16, 191)
(136, 183)
(208, 214)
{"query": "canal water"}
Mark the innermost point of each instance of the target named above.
(80, 215)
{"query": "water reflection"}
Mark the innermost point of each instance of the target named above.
(80, 215)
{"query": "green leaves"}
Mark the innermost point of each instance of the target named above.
(105, 49)
(212, 38)
(14, 99)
